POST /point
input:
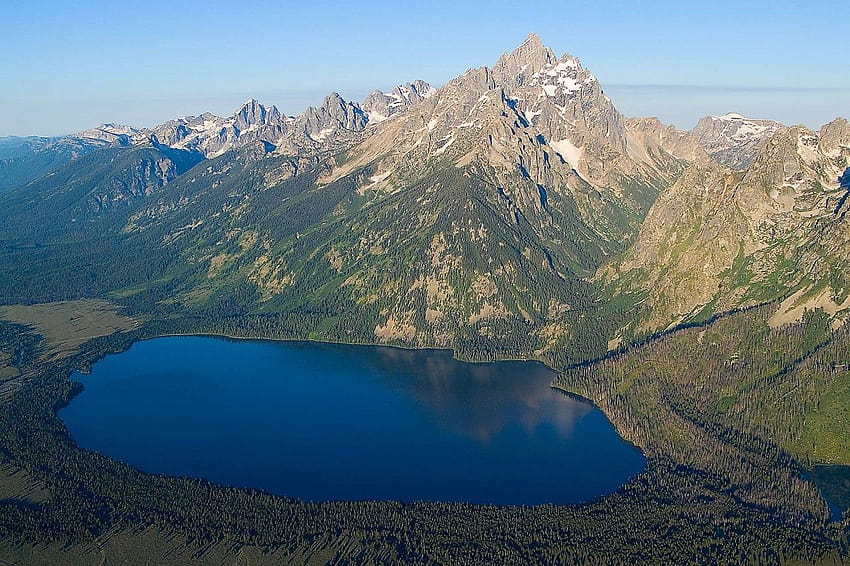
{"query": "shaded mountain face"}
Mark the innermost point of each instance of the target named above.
(25, 159)
(328, 128)
(718, 239)
(733, 140)
(15, 146)
(92, 185)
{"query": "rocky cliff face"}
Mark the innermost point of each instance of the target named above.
(719, 239)
(539, 129)
(140, 178)
(733, 140)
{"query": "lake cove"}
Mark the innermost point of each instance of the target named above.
(325, 422)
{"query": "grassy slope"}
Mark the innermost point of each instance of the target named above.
(65, 325)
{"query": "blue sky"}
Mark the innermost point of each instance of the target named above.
(68, 65)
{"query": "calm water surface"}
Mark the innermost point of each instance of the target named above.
(333, 422)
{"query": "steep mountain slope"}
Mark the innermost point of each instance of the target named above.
(733, 140)
(91, 185)
(540, 131)
(459, 219)
(467, 217)
(719, 239)
(473, 216)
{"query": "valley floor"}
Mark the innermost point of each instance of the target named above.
(721, 486)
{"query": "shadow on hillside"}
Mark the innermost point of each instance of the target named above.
(844, 183)
(834, 483)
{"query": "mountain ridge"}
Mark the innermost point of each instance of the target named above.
(530, 149)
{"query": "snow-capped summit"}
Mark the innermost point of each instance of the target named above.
(108, 133)
(379, 106)
(317, 128)
(733, 139)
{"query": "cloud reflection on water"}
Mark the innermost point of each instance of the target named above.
(480, 400)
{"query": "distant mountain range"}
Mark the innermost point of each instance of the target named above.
(514, 211)
(23, 159)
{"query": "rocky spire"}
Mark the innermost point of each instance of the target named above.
(254, 113)
(515, 68)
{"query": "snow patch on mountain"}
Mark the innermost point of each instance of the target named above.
(568, 150)
(733, 139)
(559, 78)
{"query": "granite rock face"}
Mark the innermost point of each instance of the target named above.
(733, 140)
(545, 133)
(723, 239)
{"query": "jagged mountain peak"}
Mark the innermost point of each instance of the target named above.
(333, 98)
(534, 112)
(516, 68)
(530, 51)
(253, 113)
(525, 165)
(533, 38)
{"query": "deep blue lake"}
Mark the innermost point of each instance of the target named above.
(334, 422)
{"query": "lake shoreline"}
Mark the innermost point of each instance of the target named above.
(477, 406)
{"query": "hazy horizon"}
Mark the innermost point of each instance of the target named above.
(71, 67)
(678, 105)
